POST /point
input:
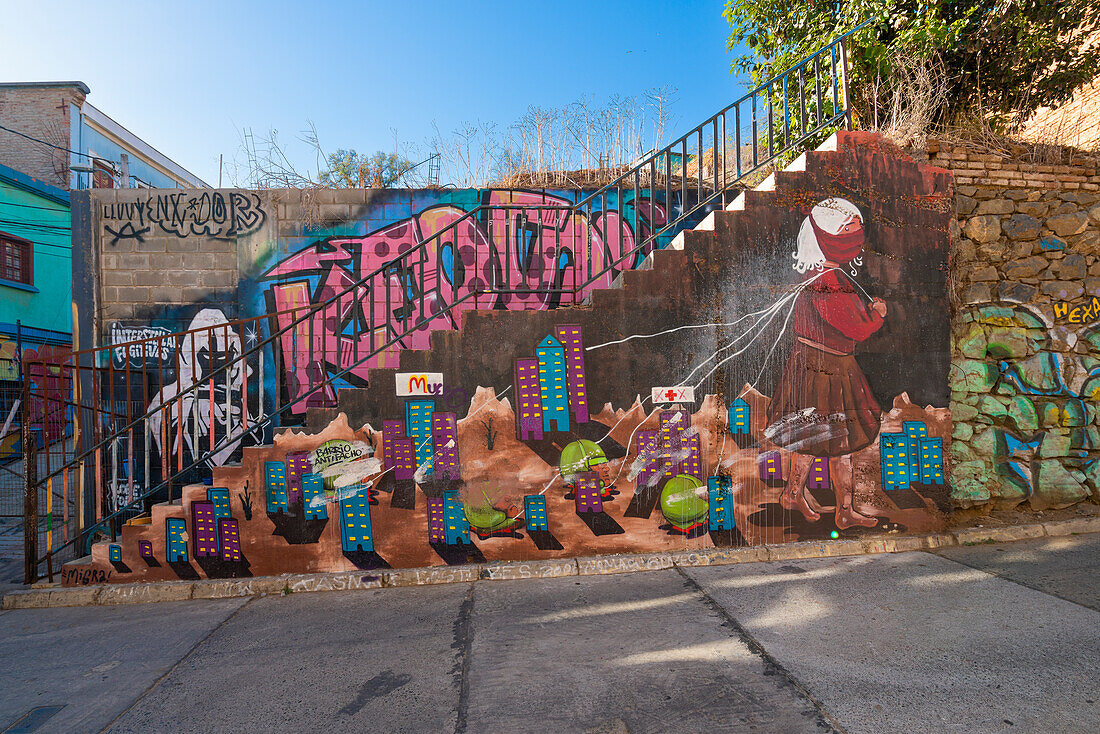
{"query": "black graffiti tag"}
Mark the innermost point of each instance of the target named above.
(207, 214)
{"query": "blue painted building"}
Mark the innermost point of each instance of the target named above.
(534, 506)
(175, 528)
(894, 460)
(931, 460)
(355, 527)
(275, 476)
(553, 387)
(418, 427)
(720, 503)
(739, 416)
(313, 485)
(914, 431)
(456, 528)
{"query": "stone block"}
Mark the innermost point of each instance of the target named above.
(977, 293)
(996, 206)
(972, 536)
(1021, 227)
(965, 204)
(233, 588)
(82, 596)
(144, 593)
(543, 569)
(984, 273)
(1071, 267)
(1075, 526)
(345, 581)
(1026, 268)
(1018, 292)
(1068, 224)
(433, 575)
(27, 599)
(1063, 290)
(982, 229)
(601, 565)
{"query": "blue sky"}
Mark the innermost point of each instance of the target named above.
(188, 76)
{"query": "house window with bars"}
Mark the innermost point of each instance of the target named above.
(16, 259)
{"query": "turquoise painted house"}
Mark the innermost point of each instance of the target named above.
(35, 285)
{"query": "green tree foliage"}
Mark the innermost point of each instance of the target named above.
(1000, 56)
(350, 170)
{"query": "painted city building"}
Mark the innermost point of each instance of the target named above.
(313, 490)
(297, 464)
(720, 503)
(553, 389)
(445, 446)
(175, 531)
(355, 525)
(528, 400)
(275, 474)
(894, 460)
(570, 337)
(534, 508)
(418, 427)
(205, 525)
(230, 539)
(739, 417)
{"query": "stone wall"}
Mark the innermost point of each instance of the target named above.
(1026, 367)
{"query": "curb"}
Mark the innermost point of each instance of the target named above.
(147, 592)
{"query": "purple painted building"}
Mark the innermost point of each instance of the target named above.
(445, 446)
(693, 463)
(586, 492)
(391, 431)
(570, 337)
(435, 519)
(818, 478)
(204, 521)
(770, 466)
(404, 458)
(673, 423)
(297, 465)
(651, 455)
(229, 533)
(528, 400)
(145, 549)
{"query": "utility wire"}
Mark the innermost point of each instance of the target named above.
(58, 147)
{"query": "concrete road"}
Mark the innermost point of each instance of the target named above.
(977, 639)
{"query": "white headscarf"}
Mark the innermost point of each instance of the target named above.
(830, 215)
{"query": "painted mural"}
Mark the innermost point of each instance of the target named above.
(530, 243)
(782, 377)
(1031, 385)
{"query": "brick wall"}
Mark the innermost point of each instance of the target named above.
(43, 113)
(1025, 377)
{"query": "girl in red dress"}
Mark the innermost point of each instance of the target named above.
(823, 406)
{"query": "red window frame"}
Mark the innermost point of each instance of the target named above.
(16, 259)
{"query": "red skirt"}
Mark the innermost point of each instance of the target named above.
(822, 405)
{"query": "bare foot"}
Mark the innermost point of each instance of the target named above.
(796, 500)
(846, 517)
(814, 504)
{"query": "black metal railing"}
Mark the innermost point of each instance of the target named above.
(210, 395)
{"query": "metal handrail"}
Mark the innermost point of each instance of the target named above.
(406, 263)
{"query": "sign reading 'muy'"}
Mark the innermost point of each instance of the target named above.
(411, 384)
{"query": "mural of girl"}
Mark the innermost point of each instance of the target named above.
(823, 405)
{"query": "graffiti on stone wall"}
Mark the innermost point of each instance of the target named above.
(183, 214)
(536, 254)
(1027, 390)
